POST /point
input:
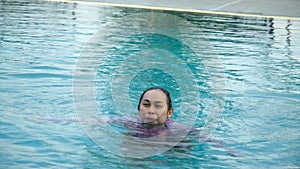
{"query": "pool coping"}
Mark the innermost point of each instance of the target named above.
(277, 9)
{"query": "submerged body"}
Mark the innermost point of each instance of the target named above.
(153, 128)
(135, 127)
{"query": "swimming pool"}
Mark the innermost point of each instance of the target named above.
(41, 43)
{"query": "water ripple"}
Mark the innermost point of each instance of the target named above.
(40, 43)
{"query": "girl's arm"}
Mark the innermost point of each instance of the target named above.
(114, 119)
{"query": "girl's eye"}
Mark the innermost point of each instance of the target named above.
(159, 106)
(146, 104)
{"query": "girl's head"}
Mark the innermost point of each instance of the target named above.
(155, 106)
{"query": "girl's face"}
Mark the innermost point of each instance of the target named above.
(153, 108)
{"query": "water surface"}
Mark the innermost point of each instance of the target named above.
(41, 41)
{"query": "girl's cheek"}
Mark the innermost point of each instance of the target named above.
(142, 109)
(160, 113)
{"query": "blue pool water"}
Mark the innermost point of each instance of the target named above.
(42, 44)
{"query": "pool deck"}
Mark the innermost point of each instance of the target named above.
(286, 9)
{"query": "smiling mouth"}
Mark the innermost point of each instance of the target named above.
(150, 119)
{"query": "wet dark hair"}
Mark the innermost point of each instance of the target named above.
(169, 101)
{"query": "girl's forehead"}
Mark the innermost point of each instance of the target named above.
(155, 95)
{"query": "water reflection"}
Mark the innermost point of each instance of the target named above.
(40, 42)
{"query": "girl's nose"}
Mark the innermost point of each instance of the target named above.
(151, 110)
